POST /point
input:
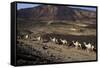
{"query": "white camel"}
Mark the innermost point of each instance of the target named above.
(53, 39)
(88, 46)
(77, 44)
(64, 41)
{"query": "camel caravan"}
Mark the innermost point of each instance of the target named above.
(75, 44)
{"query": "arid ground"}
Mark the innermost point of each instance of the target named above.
(32, 51)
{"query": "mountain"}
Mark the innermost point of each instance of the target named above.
(56, 13)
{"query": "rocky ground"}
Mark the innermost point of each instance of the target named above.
(36, 52)
(32, 52)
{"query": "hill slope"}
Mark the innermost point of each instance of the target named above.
(53, 12)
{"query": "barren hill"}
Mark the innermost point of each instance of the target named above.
(56, 13)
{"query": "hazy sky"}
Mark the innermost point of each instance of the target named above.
(87, 8)
(25, 5)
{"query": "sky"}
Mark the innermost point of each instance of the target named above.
(86, 8)
(25, 5)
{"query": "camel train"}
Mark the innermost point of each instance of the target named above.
(87, 46)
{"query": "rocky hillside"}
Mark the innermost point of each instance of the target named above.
(56, 13)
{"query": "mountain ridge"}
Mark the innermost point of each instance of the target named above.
(53, 12)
